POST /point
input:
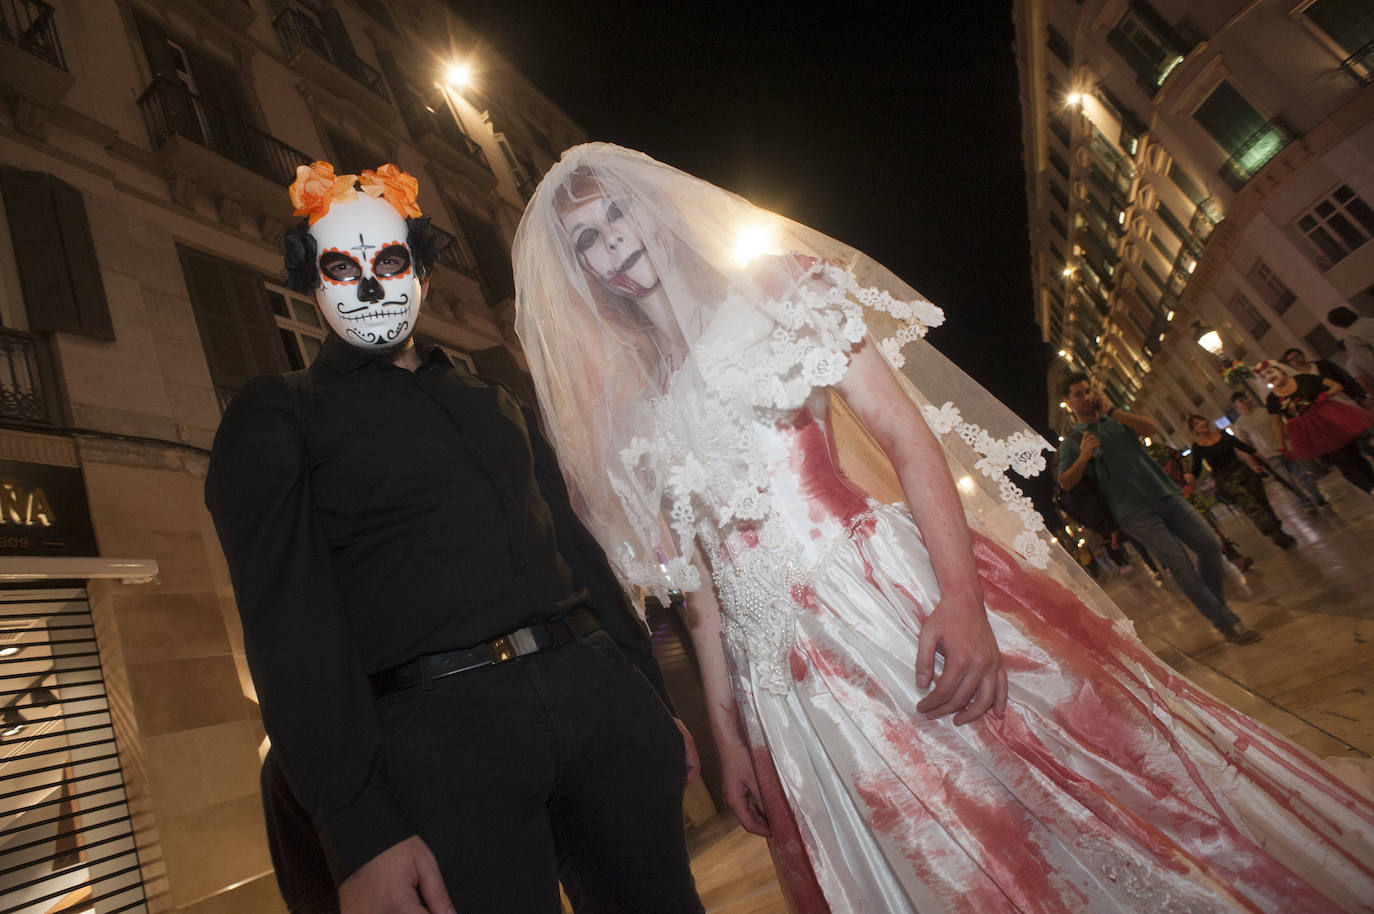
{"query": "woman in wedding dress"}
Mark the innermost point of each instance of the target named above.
(924, 703)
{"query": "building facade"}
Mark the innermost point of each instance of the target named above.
(1200, 186)
(146, 148)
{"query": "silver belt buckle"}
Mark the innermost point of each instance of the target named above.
(516, 644)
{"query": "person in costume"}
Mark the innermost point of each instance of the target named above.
(1309, 424)
(457, 692)
(1171, 460)
(865, 583)
(1237, 469)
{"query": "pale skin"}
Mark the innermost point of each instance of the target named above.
(405, 878)
(973, 680)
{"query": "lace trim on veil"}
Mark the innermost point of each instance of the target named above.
(761, 358)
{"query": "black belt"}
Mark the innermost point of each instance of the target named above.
(542, 636)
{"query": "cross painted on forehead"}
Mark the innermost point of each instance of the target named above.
(362, 247)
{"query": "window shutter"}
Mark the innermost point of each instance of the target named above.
(236, 326)
(58, 271)
(88, 290)
(340, 45)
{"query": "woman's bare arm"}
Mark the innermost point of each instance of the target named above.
(973, 679)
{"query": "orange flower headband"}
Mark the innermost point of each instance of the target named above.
(317, 188)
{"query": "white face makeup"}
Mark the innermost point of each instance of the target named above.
(1273, 375)
(610, 246)
(369, 294)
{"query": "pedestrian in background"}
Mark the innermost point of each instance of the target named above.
(1255, 429)
(1237, 472)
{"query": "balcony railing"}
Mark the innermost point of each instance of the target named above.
(29, 24)
(170, 109)
(1205, 219)
(422, 119)
(296, 30)
(1360, 65)
(21, 392)
(451, 253)
(1255, 153)
(527, 188)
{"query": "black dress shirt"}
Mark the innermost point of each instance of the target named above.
(405, 513)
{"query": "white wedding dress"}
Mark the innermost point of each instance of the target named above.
(1112, 784)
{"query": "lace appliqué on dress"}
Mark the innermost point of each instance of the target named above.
(700, 463)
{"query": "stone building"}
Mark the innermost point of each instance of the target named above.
(146, 147)
(1200, 185)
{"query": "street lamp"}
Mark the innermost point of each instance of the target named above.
(457, 75)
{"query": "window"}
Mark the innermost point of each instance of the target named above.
(1185, 183)
(1249, 319)
(1061, 131)
(1338, 225)
(1151, 272)
(1350, 23)
(1148, 45)
(1167, 216)
(1275, 294)
(1059, 196)
(349, 157)
(299, 324)
(1241, 131)
(1058, 226)
(235, 319)
(1059, 164)
(1160, 245)
(1058, 46)
(59, 275)
(492, 253)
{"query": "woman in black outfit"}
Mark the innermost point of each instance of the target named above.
(1237, 472)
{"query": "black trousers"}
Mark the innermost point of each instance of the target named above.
(560, 765)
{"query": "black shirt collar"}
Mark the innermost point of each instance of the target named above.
(343, 358)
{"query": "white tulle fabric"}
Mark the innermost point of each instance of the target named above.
(1111, 785)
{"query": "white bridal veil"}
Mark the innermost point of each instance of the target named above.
(649, 398)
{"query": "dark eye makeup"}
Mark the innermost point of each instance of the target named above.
(339, 267)
(392, 260)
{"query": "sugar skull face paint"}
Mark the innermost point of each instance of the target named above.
(369, 294)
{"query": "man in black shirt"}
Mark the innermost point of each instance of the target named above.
(455, 687)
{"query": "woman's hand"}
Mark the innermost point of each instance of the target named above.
(973, 680)
(740, 785)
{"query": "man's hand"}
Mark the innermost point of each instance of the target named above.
(689, 746)
(740, 785)
(403, 879)
(973, 680)
(1089, 444)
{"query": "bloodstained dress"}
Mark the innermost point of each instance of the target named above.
(1112, 783)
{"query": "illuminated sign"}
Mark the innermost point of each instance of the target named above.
(43, 510)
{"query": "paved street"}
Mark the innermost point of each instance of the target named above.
(1311, 678)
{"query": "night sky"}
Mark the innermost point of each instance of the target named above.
(898, 133)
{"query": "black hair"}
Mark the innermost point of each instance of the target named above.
(300, 253)
(1342, 316)
(1071, 380)
(1288, 352)
(1236, 397)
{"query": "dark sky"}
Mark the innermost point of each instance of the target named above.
(898, 133)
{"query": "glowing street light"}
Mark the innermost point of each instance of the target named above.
(458, 75)
(1074, 99)
(1211, 341)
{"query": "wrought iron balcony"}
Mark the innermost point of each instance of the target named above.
(170, 110)
(527, 188)
(1360, 65)
(296, 30)
(1255, 153)
(451, 255)
(29, 25)
(21, 391)
(423, 120)
(1205, 219)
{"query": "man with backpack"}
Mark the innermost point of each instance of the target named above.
(1104, 451)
